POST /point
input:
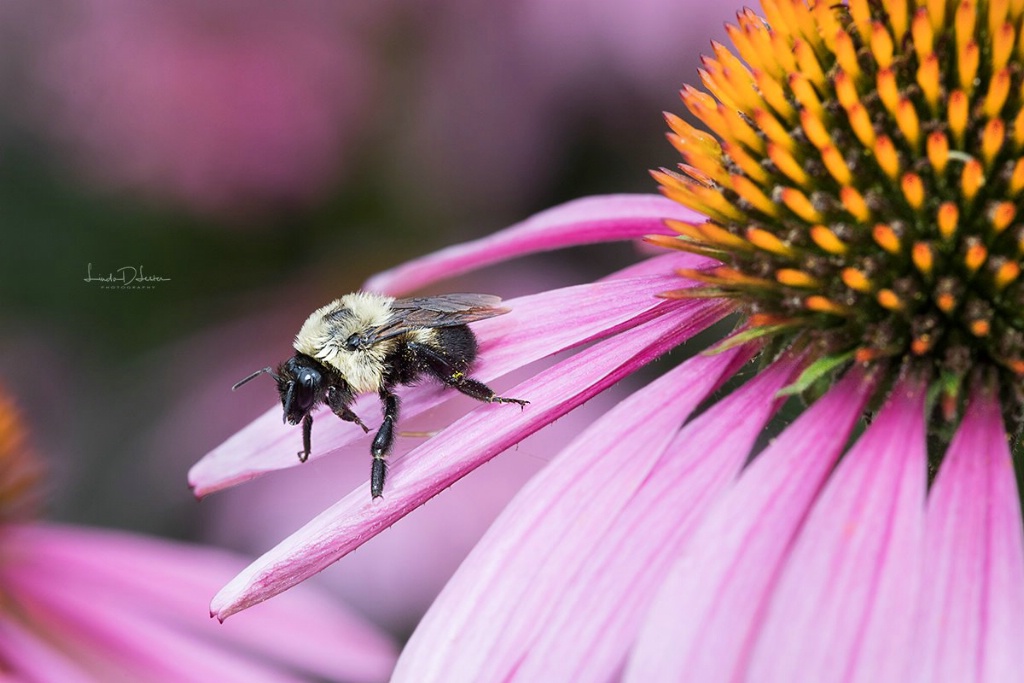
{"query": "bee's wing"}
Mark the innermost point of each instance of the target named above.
(445, 310)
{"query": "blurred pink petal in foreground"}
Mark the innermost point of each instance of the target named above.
(214, 105)
(83, 604)
(78, 604)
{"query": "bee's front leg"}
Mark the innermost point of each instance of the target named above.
(349, 416)
(307, 437)
(338, 400)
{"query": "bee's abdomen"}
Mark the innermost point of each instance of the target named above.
(458, 343)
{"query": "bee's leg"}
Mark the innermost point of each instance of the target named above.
(348, 416)
(383, 442)
(443, 369)
(338, 401)
(307, 437)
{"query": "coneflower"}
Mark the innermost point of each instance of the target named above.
(857, 175)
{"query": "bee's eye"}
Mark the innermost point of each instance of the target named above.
(353, 342)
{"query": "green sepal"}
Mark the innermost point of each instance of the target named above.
(814, 372)
(742, 337)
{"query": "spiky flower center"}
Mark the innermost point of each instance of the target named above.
(863, 181)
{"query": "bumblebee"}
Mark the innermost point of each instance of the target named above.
(367, 342)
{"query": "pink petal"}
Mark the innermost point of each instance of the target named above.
(703, 616)
(582, 221)
(29, 656)
(561, 556)
(594, 625)
(495, 600)
(663, 263)
(971, 625)
(145, 585)
(844, 606)
(537, 326)
(460, 448)
(91, 617)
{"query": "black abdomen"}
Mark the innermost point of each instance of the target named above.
(458, 344)
(454, 347)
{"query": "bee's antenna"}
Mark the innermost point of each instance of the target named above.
(267, 370)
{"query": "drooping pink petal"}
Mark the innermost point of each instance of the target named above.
(464, 445)
(570, 547)
(704, 615)
(844, 605)
(537, 326)
(593, 625)
(87, 578)
(971, 624)
(582, 221)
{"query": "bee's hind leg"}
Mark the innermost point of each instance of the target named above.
(383, 442)
(447, 372)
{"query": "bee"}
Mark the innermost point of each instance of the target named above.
(366, 342)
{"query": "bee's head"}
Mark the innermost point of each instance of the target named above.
(300, 381)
